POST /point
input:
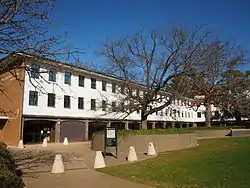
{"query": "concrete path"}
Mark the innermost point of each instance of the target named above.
(79, 179)
(78, 161)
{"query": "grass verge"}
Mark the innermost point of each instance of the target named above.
(215, 163)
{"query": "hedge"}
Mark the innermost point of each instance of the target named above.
(8, 176)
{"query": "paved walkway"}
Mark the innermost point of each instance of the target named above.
(78, 162)
(79, 179)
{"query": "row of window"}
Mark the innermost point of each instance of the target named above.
(35, 69)
(33, 101)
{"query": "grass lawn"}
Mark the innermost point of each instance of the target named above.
(215, 163)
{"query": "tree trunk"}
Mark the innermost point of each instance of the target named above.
(238, 117)
(208, 115)
(144, 121)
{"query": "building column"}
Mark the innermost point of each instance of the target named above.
(57, 131)
(126, 125)
(173, 124)
(86, 131)
(194, 125)
(181, 125)
(164, 125)
(153, 125)
(22, 126)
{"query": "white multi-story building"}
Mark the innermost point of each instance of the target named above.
(66, 101)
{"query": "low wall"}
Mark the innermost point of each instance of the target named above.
(240, 132)
(211, 133)
(166, 142)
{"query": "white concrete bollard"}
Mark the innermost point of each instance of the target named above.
(132, 154)
(45, 142)
(58, 166)
(20, 144)
(65, 141)
(99, 160)
(151, 149)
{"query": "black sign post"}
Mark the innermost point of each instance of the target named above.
(110, 139)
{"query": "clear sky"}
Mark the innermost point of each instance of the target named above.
(90, 23)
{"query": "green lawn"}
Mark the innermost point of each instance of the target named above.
(215, 163)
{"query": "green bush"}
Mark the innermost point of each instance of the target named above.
(8, 177)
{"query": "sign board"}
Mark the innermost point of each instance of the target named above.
(110, 139)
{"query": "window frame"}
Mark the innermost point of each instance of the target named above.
(81, 81)
(53, 100)
(93, 104)
(104, 85)
(104, 105)
(93, 83)
(67, 75)
(53, 77)
(80, 103)
(36, 98)
(64, 101)
(35, 72)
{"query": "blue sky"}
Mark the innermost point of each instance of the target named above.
(90, 23)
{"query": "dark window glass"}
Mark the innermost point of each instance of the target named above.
(52, 75)
(93, 105)
(113, 87)
(66, 101)
(67, 79)
(103, 105)
(51, 99)
(104, 86)
(199, 114)
(81, 81)
(80, 103)
(35, 71)
(33, 98)
(93, 83)
(138, 111)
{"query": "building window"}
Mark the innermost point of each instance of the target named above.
(113, 106)
(66, 101)
(51, 99)
(199, 114)
(52, 75)
(188, 114)
(138, 111)
(113, 87)
(179, 113)
(67, 79)
(33, 98)
(185, 114)
(93, 83)
(81, 81)
(93, 105)
(182, 114)
(103, 105)
(166, 112)
(104, 86)
(35, 71)
(161, 113)
(80, 103)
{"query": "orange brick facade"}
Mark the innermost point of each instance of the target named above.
(11, 99)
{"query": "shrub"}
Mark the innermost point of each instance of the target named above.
(8, 177)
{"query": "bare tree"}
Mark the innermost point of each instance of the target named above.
(148, 63)
(24, 29)
(236, 98)
(220, 56)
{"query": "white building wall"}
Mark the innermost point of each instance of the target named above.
(43, 86)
